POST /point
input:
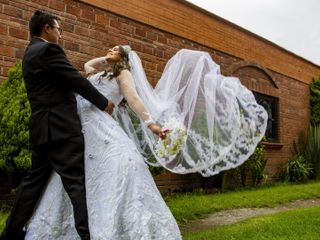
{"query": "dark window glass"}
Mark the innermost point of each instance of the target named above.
(271, 106)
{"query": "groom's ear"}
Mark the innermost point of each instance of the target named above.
(46, 29)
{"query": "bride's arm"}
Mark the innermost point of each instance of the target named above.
(98, 64)
(129, 92)
(95, 64)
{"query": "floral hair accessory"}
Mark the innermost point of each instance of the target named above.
(126, 49)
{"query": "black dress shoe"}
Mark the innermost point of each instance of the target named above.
(13, 235)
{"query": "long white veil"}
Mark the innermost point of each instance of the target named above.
(221, 120)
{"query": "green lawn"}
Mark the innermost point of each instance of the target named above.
(186, 207)
(192, 206)
(290, 225)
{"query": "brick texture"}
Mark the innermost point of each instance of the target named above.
(157, 30)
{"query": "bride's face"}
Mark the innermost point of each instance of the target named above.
(113, 54)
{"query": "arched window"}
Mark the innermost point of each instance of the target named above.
(260, 81)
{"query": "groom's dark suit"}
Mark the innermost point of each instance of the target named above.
(55, 131)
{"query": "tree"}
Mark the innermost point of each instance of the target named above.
(15, 157)
(315, 101)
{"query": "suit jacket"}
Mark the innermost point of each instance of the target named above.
(51, 82)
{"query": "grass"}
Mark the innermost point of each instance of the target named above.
(193, 206)
(186, 207)
(290, 225)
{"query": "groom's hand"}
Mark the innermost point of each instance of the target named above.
(109, 108)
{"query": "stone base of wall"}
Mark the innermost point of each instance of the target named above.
(170, 182)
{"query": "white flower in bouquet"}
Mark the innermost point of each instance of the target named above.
(174, 141)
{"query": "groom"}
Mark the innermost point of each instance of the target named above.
(55, 129)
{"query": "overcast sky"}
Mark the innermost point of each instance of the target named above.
(291, 24)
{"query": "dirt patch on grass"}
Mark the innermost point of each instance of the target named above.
(237, 215)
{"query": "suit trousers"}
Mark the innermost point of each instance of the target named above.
(66, 157)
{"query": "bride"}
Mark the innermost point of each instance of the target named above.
(123, 200)
(214, 124)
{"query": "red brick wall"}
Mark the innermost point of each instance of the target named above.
(157, 30)
(187, 21)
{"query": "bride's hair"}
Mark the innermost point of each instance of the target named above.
(122, 64)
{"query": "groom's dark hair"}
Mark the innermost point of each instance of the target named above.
(39, 20)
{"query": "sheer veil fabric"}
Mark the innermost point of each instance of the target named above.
(223, 121)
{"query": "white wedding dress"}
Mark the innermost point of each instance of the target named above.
(122, 198)
(223, 125)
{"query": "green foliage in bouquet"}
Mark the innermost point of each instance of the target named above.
(15, 158)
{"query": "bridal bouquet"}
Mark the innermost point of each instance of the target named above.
(174, 141)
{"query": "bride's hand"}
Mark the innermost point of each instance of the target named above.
(157, 130)
(109, 108)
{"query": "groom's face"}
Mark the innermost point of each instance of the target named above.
(54, 32)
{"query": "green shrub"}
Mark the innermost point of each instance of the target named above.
(252, 168)
(309, 147)
(297, 169)
(257, 162)
(315, 101)
(15, 157)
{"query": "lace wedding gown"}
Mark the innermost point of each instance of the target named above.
(122, 198)
(223, 125)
